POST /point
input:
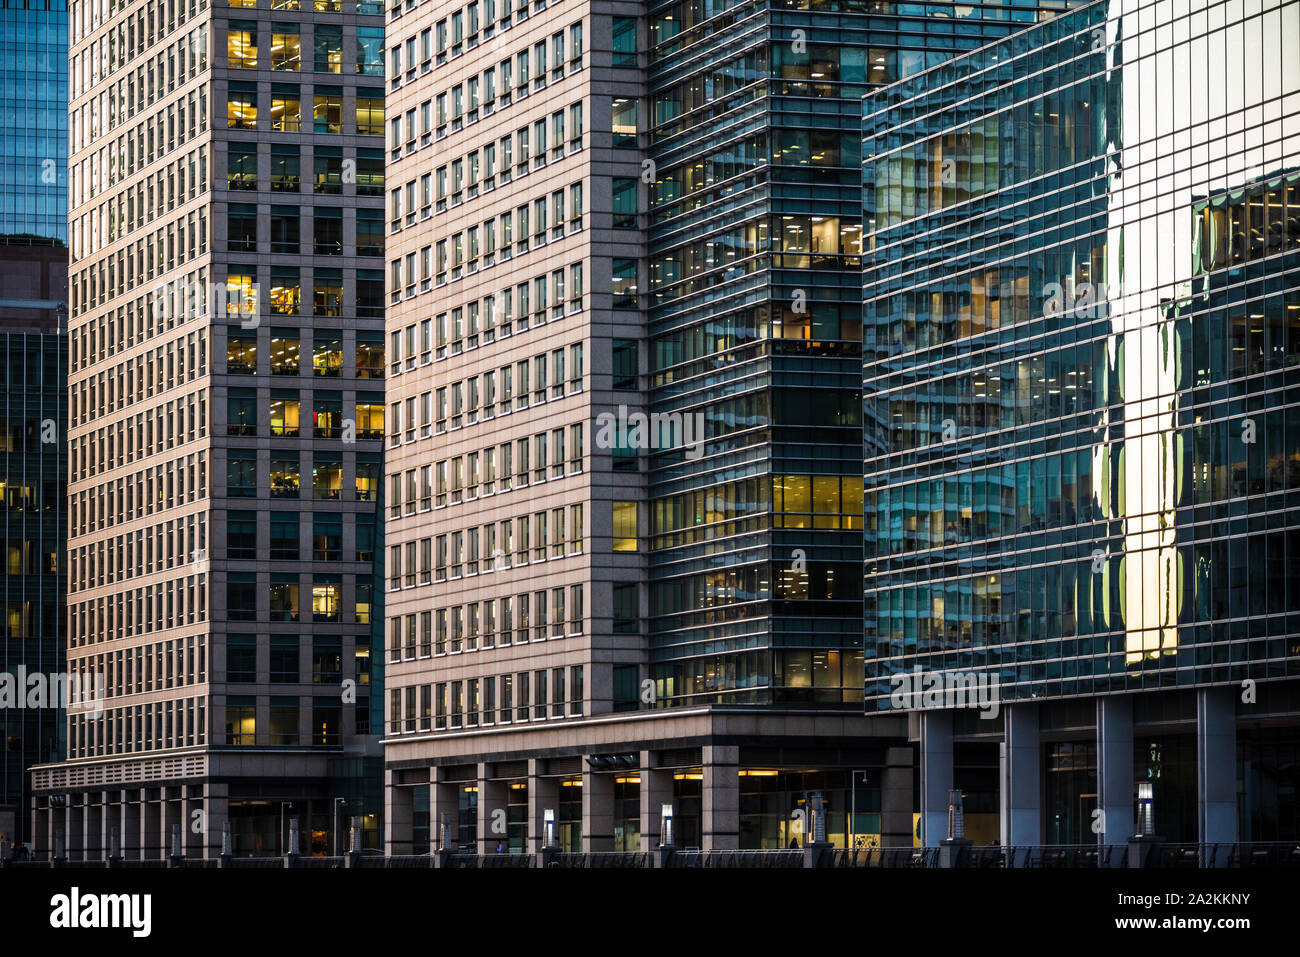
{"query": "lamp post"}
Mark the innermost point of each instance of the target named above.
(283, 805)
(336, 823)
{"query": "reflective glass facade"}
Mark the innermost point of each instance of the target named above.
(754, 322)
(34, 120)
(1082, 355)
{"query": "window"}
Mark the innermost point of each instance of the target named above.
(241, 45)
(241, 535)
(624, 110)
(241, 106)
(328, 48)
(284, 659)
(284, 536)
(241, 412)
(286, 47)
(370, 51)
(285, 476)
(241, 720)
(625, 41)
(624, 284)
(327, 110)
(241, 473)
(241, 228)
(625, 203)
(624, 528)
(286, 109)
(286, 173)
(625, 364)
(241, 657)
(284, 598)
(241, 168)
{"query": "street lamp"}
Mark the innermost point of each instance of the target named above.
(335, 823)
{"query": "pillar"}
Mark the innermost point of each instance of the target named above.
(720, 807)
(398, 805)
(493, 826)
(1216, 767)
(1022, 816)
(543, 795)
(151, 842)
(216, 811)
(936, 775)
(597, 811)
(656, 791)
(896, 798)
(444, 802)
(130, 827)
(1115, 795)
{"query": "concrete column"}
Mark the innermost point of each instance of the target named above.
(94, 826)
(543, 795)
(1115, 795)
(193, 825)
(720, 807)
(398, 805)
(151, 823)
(216, 811)
(936, 775)
(656, 791)
(1216, 766)
(173, 808)
(444, 802)
(130, 826)
(1022, 815)
(75, 835)
(896, 798)
(492, 811)
(597, 811)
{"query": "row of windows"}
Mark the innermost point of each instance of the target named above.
(176, 543)
(484, 321)
(330, 174)
(179, 181)
(503, 467)
(174, 603)
(502, 237)
(243, 51)
(285, 110)
(519, 541)
(114, 103)
(149, 23)
(284, 662)
(283, 727)
(494, 623)
(158, 725)
(155, 489)
(94, 339)
(285, 353)
(283, 597)
(283, 539)
(138, 436)
(138, 263)
(283, 294)
(468, 402)
(284, 475)
(159, 666)
(283, 415)
(181, 360)
(479, 171)
(466, 709)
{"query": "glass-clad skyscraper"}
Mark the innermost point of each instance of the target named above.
(33, 379)
(1081, 375)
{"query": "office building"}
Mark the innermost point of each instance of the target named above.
(33, 375)
(1081, 349)
(624, 506)
(225, 413)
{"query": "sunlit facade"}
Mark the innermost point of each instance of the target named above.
(226, 365)
(1081, 344)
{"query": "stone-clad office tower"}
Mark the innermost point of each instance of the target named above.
(226, 405)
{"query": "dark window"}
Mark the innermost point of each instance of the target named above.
(241, 534)
(284, 536)
(241, 658)
(284, 659)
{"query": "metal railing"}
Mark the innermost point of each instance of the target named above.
(601, 860)
(885, 857)
(736, 859)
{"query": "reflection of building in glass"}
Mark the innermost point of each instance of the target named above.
(1081, 331)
